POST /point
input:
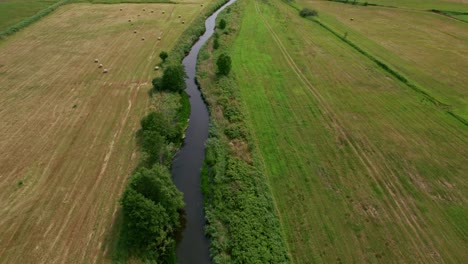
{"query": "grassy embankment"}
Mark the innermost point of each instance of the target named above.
(242, 220)
(362, 168)
(67, 127)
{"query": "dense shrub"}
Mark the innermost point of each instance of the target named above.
(163, 55)
(306, 12)
(224, 64)
(235, 131)
(156, 132)
(157, 122)
(215, 43)
(173, 79)
(222, 24)
(150, 206)
(232, 113)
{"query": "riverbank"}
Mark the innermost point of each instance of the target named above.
(153, 209)
(242, 220)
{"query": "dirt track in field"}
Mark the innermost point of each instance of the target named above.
(67, 129)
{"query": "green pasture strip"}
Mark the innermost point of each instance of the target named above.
(242, 220)
(349, 168)
(11, 12)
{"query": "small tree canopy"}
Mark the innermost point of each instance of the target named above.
(173, 79)
(163, 55)
(150, 205)
(222, 24)
(307, 12)
(224, 64)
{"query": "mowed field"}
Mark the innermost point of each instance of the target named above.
(67, 130)
(429, 49)
(361, 168)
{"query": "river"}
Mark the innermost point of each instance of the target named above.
(193, 246)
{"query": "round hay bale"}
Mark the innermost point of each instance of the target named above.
(152, 11)
(129, 20)
(100, 65)
(142, 38)
(156, 68)
(96, 60)
(134, 31)
(183, 22)
(163, 12)
(159, 38)
(180, 16)
(120, 9)
(105, 71)
(352, 19)
(201, 5)
(144, 10)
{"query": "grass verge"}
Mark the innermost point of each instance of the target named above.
(242, 221)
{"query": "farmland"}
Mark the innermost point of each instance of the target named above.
(67, 130)
(417, 51)
(447, 5)
(362, 167)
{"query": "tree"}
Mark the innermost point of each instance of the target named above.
(163, 55)
(151, 205)
(224, 64)
(216, 43)
(174, 79)
(222, 24)
(308, 12)
(154, 144)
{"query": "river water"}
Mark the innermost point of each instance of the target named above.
(186, 167)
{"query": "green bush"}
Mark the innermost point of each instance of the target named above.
(215, 43)
(157, 131)
(235, 131)
(151, 205)
(306, 12)
(222, 24)
(224, 64)
(173, 79)
(163, 55)
(232, 113)
(157, 122)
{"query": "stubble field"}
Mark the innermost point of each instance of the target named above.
(67, 130)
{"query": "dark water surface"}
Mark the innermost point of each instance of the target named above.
(186, 167)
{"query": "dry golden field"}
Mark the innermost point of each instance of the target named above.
(67, 130)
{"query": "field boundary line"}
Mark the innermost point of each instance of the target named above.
(30, 20)
(397, 75)
(394, 73)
